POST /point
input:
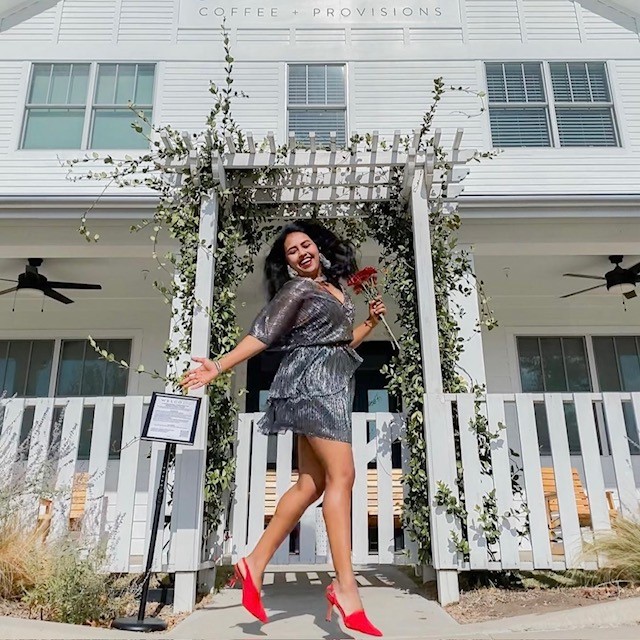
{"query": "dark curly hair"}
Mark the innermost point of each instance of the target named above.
(341, 254)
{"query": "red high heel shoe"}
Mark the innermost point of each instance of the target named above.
(251, 599)
(356, 621)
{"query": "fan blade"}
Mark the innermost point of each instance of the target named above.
(56, 296)
(581, 275)
(5, 280)
(575, 293)
(630, 295)
(8, 291)
(635, 269)
(73, 285)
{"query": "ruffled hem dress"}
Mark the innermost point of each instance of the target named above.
(312, 392)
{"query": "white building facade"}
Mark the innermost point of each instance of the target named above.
(561, 80)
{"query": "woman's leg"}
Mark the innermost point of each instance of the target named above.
(337, 460)
(289, 510)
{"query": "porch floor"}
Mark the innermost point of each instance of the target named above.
(294, 600)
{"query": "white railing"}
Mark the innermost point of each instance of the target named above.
(104, 494)
(264, 473)
(569, 494)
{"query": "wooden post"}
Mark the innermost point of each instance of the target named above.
(441, 464)
(188, 499)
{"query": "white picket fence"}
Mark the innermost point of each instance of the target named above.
(39, 441)
(513, 418)
(264, 473)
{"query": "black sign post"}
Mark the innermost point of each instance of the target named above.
(171, 419)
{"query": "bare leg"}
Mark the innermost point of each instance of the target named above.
(308, 488)
(337, 460)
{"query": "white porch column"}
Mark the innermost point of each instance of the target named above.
(188, 498)
(441, 466)
(467, 308)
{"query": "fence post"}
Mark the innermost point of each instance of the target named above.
(188, 503)
(441, 464)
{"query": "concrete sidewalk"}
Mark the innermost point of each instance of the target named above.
(294, 599)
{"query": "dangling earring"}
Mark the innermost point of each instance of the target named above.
(291, 271)
(324, 261)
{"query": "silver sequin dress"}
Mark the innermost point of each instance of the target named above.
(312, 392)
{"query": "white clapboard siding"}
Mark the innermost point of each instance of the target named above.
(501, 470)
(472, 480)
(384, 440)
(540, 545)
(87, 20)
(38, 28)
(142, 20)
(67, 456)
(550, 20)
(98, 459)
(282, 36)
(10, 77)
(627, 493)
(608, 24)
(359, 529)
(377, 35)
(590, 448)
(628, 85)
(321, 36)
(571, 538)
(493, 20)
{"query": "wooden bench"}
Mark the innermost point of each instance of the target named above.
(582, 501)
(270, 500)
(76, 512)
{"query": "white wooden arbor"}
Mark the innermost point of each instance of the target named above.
(337, 180)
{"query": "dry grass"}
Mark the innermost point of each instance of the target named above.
(620, 550)
(21, 556)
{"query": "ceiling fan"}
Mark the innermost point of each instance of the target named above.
(31, 279)
(623, 279)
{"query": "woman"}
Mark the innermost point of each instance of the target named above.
(310, 317)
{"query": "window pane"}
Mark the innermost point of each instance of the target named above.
(71, 366)
(575, 357)
(144, 87)
(553, 365)
(527, 127)
(560, 82)
(297, 84)
(530, 365)
(321, 121)
(125, 86)
(39, 83)
(606, 365)
(53, 129)
(628, 363)
(60, 84)
(79, 84)
(496, 88)
(586, 127)
(40, 369)
(534, 85)
(335, 84)
(317, 84)
(117, 378)
(105, 87)
(579, 82)
(598, 78)
(17, 365)
(112, 130)
(94, 371)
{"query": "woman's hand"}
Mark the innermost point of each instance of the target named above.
(376, 310)
(206, 373)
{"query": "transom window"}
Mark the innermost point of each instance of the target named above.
(561, 104)
(86, 106)
(317, 101)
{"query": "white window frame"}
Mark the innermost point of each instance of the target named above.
(90, 106)
(345, 107)
(551, 104)
(136, 350)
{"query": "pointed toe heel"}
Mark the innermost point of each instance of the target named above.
(356, 621)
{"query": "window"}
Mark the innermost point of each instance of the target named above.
(26, 369)
(78, 106)
(317, 101)
(518, 109)
(561, 364)
(578, 114)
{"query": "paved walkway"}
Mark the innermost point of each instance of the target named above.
(296, 606)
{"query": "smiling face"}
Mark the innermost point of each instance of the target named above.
(302, 253)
